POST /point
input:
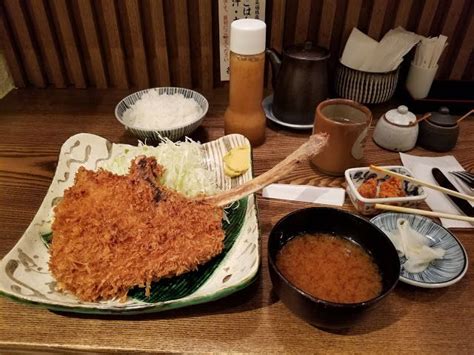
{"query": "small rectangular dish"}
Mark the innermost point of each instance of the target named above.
(355, 177)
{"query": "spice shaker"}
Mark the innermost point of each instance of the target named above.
(245, 113)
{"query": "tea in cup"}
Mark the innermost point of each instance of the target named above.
(347, 123)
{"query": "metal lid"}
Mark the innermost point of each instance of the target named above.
(443, 118)
(307, 51)
(400, 116)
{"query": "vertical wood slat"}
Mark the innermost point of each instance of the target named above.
(278, 24)
(134, 30)
(20, 29)
(351, 20)
(336, 46)
(376, 18)
(114, 48)
(328, 13)
(92, 42)
(276, 29)
(427, 16)
(403, 13)
(467, 46)
(158, 51)
(452, 18)
(302, 20)
(68, 42)
(11, 56)
(180, 45)
(205, 31)
(48, 47)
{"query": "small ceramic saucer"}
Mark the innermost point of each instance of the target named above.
(441, 272)
(267, 107)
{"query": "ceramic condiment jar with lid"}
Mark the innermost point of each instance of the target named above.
(440, 132)
(397, 130)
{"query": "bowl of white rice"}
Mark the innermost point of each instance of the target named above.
(164, 112)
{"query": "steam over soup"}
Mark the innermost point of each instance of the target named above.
(330, 268)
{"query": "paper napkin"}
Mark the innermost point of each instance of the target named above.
(437, 201)
(306, 193)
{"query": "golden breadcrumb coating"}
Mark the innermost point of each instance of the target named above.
(111, 232)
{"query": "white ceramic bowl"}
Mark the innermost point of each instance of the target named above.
(173, 133)
(366, 206)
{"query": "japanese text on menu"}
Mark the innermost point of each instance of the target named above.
(230, 10)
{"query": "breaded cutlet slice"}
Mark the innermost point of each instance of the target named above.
(111, 232)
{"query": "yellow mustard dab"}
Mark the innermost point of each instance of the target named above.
(237, 161)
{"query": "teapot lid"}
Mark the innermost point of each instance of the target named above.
(307, 51)
(443, 118)
(401, 116)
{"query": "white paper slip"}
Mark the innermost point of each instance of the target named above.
(306, 193)
(438, 201)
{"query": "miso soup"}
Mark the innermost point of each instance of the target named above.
(330, 268)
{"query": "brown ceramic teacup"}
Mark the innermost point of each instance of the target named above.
(347, 123)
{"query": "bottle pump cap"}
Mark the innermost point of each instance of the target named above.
(247, 36)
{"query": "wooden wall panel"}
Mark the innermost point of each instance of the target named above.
(178, 44)
(113, 44)
(205, 48)
(303, 14)
(403, 13)
(22, 34)
(10, 51)
(155, 33)
(377, 16)
(47, 43)
(427, 16)
(277, 24)
(326, 25)
(135, 48)
(146, 43)
(467, 46)
(352, 18)
(91, 45)
(68, 41)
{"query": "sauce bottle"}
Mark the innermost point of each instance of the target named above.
(245, 113)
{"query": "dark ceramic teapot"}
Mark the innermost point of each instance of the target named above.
(300, 82)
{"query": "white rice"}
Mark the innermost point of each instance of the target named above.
(155, 111)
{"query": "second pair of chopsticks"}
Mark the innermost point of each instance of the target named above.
(381, 206)
(423, 183)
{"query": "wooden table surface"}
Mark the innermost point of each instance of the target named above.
(34, 124)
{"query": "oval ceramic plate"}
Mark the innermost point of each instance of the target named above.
(441, 272)
(24, 272)
(267, 104)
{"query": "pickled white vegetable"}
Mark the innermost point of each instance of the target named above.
(414, 246)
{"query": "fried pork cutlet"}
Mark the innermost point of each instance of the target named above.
(113, 232)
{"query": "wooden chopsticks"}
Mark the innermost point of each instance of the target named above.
(381, 206)
(423, 183)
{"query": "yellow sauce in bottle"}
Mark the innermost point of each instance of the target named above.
(245, 114)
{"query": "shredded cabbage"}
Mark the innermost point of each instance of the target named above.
(184, 163)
